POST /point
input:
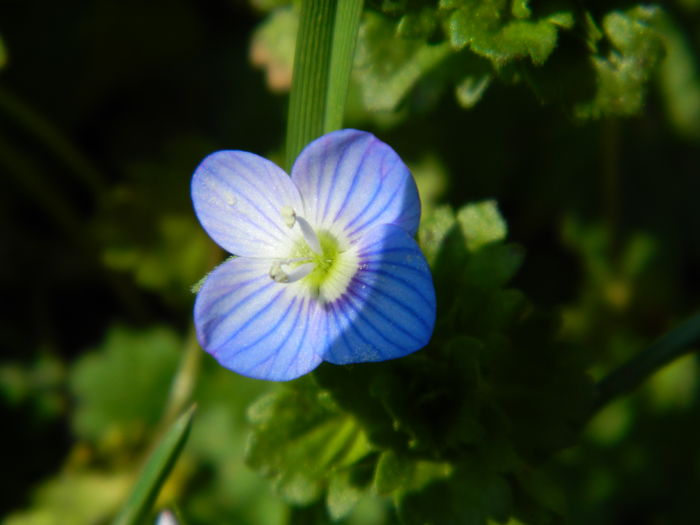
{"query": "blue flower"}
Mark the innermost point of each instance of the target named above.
(326, 269)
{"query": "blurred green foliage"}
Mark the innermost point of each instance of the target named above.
(636, 47)
(144, 362)
(581, 119)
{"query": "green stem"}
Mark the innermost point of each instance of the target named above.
(185, 379)
(322, 63)
(679, 341)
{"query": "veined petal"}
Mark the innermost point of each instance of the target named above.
(238, 198)
(351, 181)
(388, 309)
(254, 325)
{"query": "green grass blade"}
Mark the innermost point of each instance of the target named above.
(156, 471)
(347, 23)
(322, 64)
(679, 341)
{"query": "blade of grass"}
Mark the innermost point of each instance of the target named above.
(322, 63)
(156, 471)
(679, 341)
(347, 24)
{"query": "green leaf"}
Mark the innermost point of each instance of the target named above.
(673, 387)
(623, 74)
(400, 473)
(680, 79)
(520, 9)
(481, 224)
(300, 439)
(343, 494)
(469, 496)
(431, 415)
(417, 24)
(387, 67)
(467, 254)
(493, 265)
(486, 28)
(470, 90)
(156, 471)
(123, 386)
(393, 472)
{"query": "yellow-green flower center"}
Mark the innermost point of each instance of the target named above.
(324, 263)
(319, 261)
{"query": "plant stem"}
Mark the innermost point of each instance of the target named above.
(679, 341)
(322, 63)
(185, 378)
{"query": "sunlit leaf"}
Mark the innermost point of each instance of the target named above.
(387, 66)
(623, 73)
(486, 28)
(300, 441)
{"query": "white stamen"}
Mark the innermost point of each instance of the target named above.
(277, 274)
(288, 216)
(300, 272)
(281, 275)
(309, 235)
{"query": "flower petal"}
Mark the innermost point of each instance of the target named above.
(388, 310)
(238, 198)
(254, 325)
(351, 181)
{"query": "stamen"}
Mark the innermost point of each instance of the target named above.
(279, 275)
(309, 235)
(288, 216)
